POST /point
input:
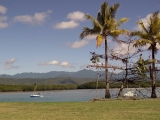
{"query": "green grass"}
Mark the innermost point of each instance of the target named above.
(99, 110)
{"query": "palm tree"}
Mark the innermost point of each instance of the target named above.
(105, 25)
(150, 35)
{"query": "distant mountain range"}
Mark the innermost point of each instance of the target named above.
(59, 77)
(54, 77)
(59, 74)
(56, 74)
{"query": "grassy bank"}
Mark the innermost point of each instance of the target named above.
(99, 110)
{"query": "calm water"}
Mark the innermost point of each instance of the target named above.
(65, 95)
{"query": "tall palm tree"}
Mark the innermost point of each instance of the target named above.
(105, 25)
(150, 35)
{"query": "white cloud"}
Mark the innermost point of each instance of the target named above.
(3, 9)
(66, 65)
(66, 25)
(9, 64)
(55, 62)
(158, 46)
(145, 22)
(78, 44)
(3, 23)
(85, 41)
(11, 61)
(76, 16)
(81, 43)
(90, 37)
(123, 49)
(11, 67)
(38, 18)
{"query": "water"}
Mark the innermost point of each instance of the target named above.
(51, 96)
(66, 95)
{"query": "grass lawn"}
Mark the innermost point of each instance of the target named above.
(147, 109)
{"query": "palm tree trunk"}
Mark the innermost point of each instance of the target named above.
(107, 93)
(153, 94)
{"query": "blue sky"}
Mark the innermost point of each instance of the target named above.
(43, 35)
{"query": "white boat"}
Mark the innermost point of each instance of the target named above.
(130, 94)
(34, 93)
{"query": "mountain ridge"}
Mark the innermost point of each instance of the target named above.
(54, 74)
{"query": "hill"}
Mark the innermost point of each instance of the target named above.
(55, 74)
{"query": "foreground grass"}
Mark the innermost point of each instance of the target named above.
(99, 110)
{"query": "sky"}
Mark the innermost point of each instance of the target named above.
(43, 35)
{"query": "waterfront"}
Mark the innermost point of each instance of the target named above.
(67, 95)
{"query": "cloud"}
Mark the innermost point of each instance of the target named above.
(11, 61)
(3, 9)
(38, 18)
(11, 67)
(123, 49)
(66, 25)
(158, 46)
(145, 22)
(55, 62)
(76, 16)
(66, 65)
(3, 23)
(78, 44)
(9, 64)
(81, 43)
(73, 23)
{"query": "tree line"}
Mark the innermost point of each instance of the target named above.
(16, 88)
(87, 85)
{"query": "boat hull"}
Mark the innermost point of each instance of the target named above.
(36, 96)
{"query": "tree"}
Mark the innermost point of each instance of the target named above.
(150, 35)
(105, 25)
(142, 67)
(125, 55)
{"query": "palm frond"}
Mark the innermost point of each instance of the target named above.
(140, 34)
(115, 33)
(96, 24)
(143, 27)
(155, 14)
(154, 24)
(154, 48)
(142, 42)
(99, 40)
(87, 31)
(104, 11)
(157, 37)
(113, 9)
(109, 24)
(99, 18)
(121, 21)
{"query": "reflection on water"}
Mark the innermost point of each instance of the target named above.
(68, 95)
